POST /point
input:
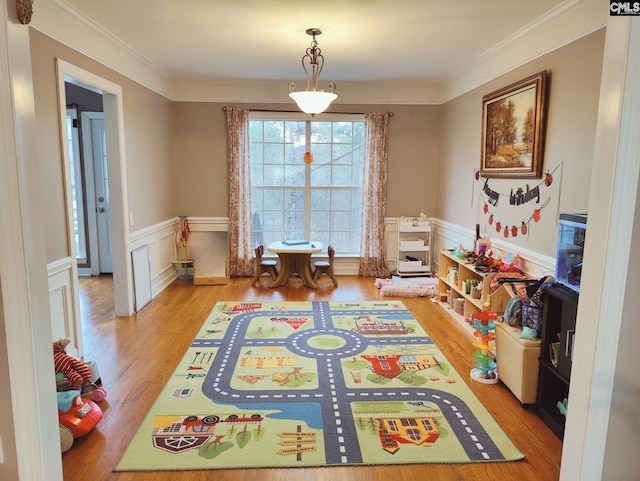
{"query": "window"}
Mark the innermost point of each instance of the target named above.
(320, 201)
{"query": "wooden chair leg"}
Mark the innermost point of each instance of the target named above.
(273, 272)
(319, 270)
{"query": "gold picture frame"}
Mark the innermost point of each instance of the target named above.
(513, 129)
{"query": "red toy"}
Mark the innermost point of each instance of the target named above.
(76, 416)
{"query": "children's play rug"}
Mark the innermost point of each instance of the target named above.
(286, 384)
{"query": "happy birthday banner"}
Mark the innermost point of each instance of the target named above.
(519, 197)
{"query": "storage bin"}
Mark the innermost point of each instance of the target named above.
(407, 226)
(410, 243)
(518, 364)
(405, 263)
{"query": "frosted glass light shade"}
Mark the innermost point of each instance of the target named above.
(312, 102)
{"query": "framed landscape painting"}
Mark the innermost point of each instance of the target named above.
(513, 128)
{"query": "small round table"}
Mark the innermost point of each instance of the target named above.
(295, 257)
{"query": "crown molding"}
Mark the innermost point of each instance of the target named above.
(568, 22)
(275, 91)
(72, 28)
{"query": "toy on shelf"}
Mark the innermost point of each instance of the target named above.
(563, 406)
(484, 366)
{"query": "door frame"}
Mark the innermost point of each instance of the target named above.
(114, 128)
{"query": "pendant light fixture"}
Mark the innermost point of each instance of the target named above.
(313, 100)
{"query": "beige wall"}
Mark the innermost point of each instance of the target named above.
(200, 153)
(574, 89)
(201, 164)
(148, 143)
(176, 151)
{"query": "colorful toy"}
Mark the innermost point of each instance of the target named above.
(76, 372)
(72, 374)
(76, 417)
(484, 366)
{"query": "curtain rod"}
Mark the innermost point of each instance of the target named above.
(299, 112)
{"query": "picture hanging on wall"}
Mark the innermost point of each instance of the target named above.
(513, 128)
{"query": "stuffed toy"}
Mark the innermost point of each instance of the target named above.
(76, 372)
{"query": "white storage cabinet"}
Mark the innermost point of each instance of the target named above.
(413, 248)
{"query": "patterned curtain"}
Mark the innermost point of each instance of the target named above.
(240, 229)
(373, 261)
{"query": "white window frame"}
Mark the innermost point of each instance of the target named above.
(308, 188)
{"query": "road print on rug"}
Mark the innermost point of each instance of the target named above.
(283, 384)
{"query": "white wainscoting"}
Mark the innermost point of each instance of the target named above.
(160, 239)
(204, 247)
(64, 294)
(447, 236)
(209, 249)
(64, 305)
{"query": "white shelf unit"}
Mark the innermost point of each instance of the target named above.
(414, 239)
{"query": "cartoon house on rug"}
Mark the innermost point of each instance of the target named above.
(385, 327)
(390, 366)
(418, 431)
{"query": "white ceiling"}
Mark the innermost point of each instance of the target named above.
(423, 40)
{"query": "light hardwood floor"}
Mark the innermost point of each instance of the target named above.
(136, 356)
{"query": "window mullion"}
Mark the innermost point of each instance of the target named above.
(277, 204)
(307, 183)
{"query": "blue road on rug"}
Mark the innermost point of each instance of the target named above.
(274, 384)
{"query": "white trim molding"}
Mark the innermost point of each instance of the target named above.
(447, 235)
(67, 25)
(30, 437)
(207, 246)
(605, 343)
(160, 238)
(570, 21)
(63, 300)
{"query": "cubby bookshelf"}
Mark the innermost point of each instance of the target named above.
(455, 276)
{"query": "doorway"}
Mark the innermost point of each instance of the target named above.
(96, 184)
(89, 177)
(113, 165)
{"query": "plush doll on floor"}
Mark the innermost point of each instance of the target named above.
(72, 373)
